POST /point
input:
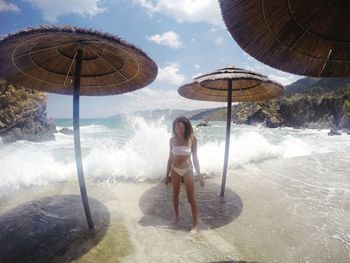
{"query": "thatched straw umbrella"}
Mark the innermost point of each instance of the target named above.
(69, 60)
(227, 85)
(302, 37)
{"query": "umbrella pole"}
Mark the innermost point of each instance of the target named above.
(227, 142)
(77, 146)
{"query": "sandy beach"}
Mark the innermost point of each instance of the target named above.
(267, 219)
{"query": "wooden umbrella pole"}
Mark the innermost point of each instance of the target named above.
(228, 130)
(77, 147)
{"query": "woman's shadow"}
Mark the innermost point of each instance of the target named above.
(51, 229)
(214, 211)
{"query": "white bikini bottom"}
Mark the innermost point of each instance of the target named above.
(182, 171)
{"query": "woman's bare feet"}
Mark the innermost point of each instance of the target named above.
(175, 220)
(194, 229)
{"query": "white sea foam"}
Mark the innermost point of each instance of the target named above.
(141, 152)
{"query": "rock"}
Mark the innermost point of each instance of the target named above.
(297, 111)
(273, 122)
(4, 100)
(24, 116)
(345, 131)
(2, 125)
(256, 118)
(345, 122)
(13, 135)
(334, 131)
(66, 131)
(270, 119)
(204, 123)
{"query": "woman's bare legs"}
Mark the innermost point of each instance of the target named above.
(190, 192)
(175, 180)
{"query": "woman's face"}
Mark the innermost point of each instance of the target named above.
(180, 128)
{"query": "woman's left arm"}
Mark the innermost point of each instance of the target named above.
(195, 160)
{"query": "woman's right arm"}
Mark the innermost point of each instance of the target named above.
(167, 177)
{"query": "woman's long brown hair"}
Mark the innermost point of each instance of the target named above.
(188, 127)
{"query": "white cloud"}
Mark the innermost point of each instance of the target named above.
(197, 75)
(213, 29)
(197, 66)
(170, 39)
(186, 10)
(171, 75)
(282, 77)
(51, 10)
(219, 40)
(4, 6)
(148, 99)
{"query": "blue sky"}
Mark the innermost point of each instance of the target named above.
(184, 38)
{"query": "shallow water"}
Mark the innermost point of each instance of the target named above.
(287, 196)
(267, 215)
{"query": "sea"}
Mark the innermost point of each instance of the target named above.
(287, 193)
(137, 149)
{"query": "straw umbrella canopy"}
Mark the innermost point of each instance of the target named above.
(229, 85)
(74, 61)
(302, 37)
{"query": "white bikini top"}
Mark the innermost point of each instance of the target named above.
(181, 150)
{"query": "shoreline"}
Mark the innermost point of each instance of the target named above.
(266, 218)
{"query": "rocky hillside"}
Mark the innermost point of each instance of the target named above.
(317, 84)
(23, 114)
(308, 103)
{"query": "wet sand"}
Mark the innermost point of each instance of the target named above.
(272, 218)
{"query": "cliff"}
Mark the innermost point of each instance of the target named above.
(308, 103)
(23, 114)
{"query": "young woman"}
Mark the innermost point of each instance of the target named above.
(182, 144)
